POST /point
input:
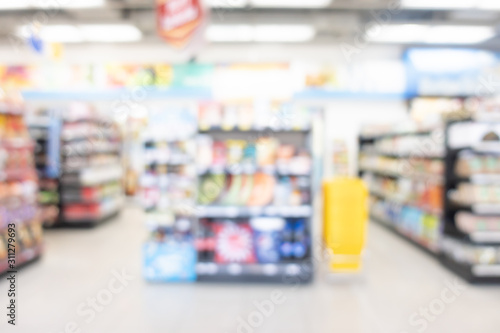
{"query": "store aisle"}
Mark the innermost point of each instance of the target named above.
(57, 293)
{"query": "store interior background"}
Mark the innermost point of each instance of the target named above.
(369, 86)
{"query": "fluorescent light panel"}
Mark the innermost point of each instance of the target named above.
(458, 35)
(293, 33)
(413, 33)
(227, 3)
(290, 3)
(284, 33)
(40, 4)
(104, 33)
(230, 33)
(452, 4)
(269, 3)
(405, 33)
(61, 34)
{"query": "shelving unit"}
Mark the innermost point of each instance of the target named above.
(405, 178)
(471, 241)
(168, 194)
(45, 131)
(91, 174)
(79, 164)
(254, 203)
(18, 190)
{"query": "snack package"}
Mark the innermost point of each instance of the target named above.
(219, 154)
(245, 117)
(209, 116)
(235, 151)
(204, 156)
(230, 118)
(211, 188)
(300, 243)
(267, 238)
(266, 151)
(286, 246)
(233, 243)
(263, 190)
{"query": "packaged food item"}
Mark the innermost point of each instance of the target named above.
(283, 192)
(263, 190)
(233, 243)
(300, 238)
(246, 189)
(287, 241)
(219, 154)
(245, 117)
(267, 234)
(230, 117)
(266, 151)
(235, 151)
(209, 116)
(233, 190)
(211, 188)
(205, 154)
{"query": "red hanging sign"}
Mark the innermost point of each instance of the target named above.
(179, 20)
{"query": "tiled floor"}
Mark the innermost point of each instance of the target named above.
(397, 282)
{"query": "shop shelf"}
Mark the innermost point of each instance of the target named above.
(477, 274)
(259, 131)
(287, 273)
(419, 244)
(243, 212)
(395, 200)
(419, 176)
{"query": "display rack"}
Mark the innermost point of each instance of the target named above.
(254, 196)
(44, 130)
(471, 241)
(404, 173)
(168, 193)
(18, 190)
(78, 160)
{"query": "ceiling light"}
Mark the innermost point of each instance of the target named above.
(61, 34)
(489, 5)
(452, 4)
(230, 33)
(405, 33)
(14, 4)
(425, 34)
(459, 34)
(284, 33)
(109, 33)
(67, 33)
(227, 3)
(260, 33)
(291, 3)
(80, 3)
(438, 4)
(34, 4)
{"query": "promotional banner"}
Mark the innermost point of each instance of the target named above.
(179, 21)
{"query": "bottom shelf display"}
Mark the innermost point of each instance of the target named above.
(426, 247)
(414, 224)
(29, 244)
(265, 240)
(289, 273)
(260, 249)
(474, 263)
(86, 214)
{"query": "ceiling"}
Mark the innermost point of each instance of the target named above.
(341, 22)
